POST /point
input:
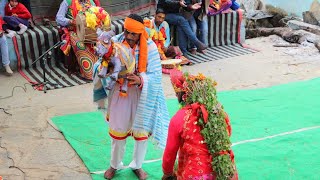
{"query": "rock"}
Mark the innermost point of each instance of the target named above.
(258, 14)
(315, 6)
(315, 9)
(251, 5)
(278, 15)
(308, 17)
(297, 25)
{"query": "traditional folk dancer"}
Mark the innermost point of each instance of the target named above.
(195, 130)
(143, 113)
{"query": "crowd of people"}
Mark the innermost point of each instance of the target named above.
(148, 42)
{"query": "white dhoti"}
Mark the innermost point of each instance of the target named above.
(121, 113)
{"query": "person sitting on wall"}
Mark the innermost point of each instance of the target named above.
(159, 32)
(174, 15)
(16, 18)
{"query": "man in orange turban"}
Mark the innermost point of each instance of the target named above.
(143, 113)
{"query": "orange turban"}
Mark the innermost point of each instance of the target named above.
(138, 27)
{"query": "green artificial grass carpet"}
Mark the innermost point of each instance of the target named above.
(254, 114)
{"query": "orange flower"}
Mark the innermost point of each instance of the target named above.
(147, 23)
(192, 78)
(200, 77)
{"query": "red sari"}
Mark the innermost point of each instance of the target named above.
(194, 160)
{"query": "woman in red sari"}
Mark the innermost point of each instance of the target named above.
(199, 133)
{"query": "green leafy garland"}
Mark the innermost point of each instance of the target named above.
(201, 89)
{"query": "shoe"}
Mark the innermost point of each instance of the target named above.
(201, 46)
(201, 51)
(11, 33)
(110, 173)
(193, 51)
(23, 28)
(141, 174)
(8, 70)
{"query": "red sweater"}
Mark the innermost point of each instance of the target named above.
(20, 10)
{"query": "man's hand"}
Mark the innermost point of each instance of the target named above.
(15, 15)
(169, 177)
(72, 22)
(1, 33)
(134, 79)
(182, 3)
(196, 6)
(164, 49)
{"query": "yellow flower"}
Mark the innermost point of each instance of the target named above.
(107, 21)
(215, 83)
(94, 9)
(91, 20)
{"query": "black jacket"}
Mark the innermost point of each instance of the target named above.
(169, 6)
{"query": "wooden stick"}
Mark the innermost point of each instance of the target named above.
(286, 45)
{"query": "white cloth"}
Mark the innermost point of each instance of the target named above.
(122, 110)
(118, 150)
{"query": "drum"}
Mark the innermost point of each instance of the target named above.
(85, 34)
(170, 63)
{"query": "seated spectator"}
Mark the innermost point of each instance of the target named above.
(16, 18)
(159, 32)
(174, 16)
(4, 50)
(199, 23)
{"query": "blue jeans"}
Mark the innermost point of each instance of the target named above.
(4, 50)
(184, 30)
(200, 28)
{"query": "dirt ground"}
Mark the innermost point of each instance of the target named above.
(31, 148)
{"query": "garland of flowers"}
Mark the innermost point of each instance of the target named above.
(97, 17)
(199, 89)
